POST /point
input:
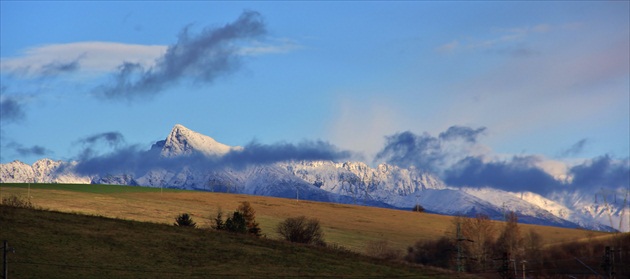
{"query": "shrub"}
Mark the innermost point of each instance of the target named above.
(17, 201)
(433, 252)
(301, 230)
(184, 220)
(381, 249)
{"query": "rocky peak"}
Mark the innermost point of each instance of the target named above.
(183, 141)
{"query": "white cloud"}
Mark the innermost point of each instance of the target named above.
(278, 46)
(565, 86)
(448, 47)
(90, 56)
(99, 57)
(501, 38)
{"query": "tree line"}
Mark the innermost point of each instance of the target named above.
(478, 245)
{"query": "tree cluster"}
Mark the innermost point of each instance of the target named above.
(243, 220)
(475, 244)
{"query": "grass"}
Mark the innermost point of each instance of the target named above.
(61, 245)
(350, 226)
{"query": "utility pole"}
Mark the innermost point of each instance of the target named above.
(504, 269)
(460, 266)
(5, 268)
(514, 263)
(5, 262)
(609, 262)
(460, 256)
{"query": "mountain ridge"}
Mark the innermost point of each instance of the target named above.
(343, 182)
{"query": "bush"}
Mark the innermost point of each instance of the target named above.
(301, 230)
(381, 249)
(184, 220)
(17, 201)
(433, 252)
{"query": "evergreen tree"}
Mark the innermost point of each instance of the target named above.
(184, 220)
(218, 221)
(243, 220)
(236, 223)
(249, 214)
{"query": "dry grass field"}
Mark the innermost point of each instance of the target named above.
(350, 226)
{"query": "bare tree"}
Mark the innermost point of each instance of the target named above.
(510, 239)
(482, 232)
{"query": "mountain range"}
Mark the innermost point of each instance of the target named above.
(349, 182)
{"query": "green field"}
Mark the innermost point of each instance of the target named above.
(92, 188)
(350, 226)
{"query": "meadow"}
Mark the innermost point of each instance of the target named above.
(50, 244)
(351, 226)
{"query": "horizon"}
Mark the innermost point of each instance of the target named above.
(445, 87)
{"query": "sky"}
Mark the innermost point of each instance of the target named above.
(544, 84)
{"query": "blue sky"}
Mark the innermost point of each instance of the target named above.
(547, 79)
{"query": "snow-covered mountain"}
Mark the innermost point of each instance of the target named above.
(348, 182)
(183, 141)
(42, 171)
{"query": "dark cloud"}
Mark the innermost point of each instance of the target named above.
(113, 139)
(575, 149)
(35, 150)
(201, 58)
(601, 172)
(11, 109)
(460, 168)
(136, 161)
(517, 174)
(56, 68)
(424, 151)
(460, 132)
(255, 153)
(407, 149)
(522, 174)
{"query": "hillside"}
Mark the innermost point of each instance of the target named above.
(61, 245)
(354, 227)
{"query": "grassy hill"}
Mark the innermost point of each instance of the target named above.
(353, 227)
(62, 245)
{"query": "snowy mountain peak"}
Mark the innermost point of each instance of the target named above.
(183, 141)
